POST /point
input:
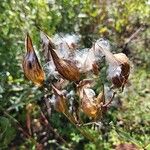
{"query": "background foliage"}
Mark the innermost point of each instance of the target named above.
(114, 20)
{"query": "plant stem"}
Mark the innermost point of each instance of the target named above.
(82, 131)
(51, 128)
(109, 102)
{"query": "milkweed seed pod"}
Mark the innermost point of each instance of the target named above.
(125, 70)
(84, 84)
(119, 66)
(31, 66)
(88, 106)
(65, 67)
(91, 105)
(60, 101)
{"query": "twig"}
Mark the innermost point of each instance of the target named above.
(89, 123)
(133, 36)
(25, 133)
(47, 118)
(48, 106)
(82, 131)
(51, 128)
(28, 122)
(106, 105)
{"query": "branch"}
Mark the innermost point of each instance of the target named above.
(82, 130)
(133, 36)
(51, 128)
(109, 102)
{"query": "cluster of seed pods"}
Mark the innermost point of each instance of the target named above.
(66, 64)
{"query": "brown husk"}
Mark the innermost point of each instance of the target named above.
(83, 84)
(60, 104)
(88, 107)
(31, 66)
(65, 67)
(125, 70)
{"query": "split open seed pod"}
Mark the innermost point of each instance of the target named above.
(31, 66)
(119, 66)
(88, 106)
(60, 101)
(65, 67)
(85, 83)
(125, 70)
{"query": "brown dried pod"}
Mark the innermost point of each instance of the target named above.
(91, 105)
(60, 103)
(88, 107)
(31, 66)
(65, 67)
(85, 83)
(121, 80)
(119, 66)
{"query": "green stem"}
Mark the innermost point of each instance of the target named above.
(82, 130)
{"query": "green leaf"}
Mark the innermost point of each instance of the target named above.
(7, 132)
